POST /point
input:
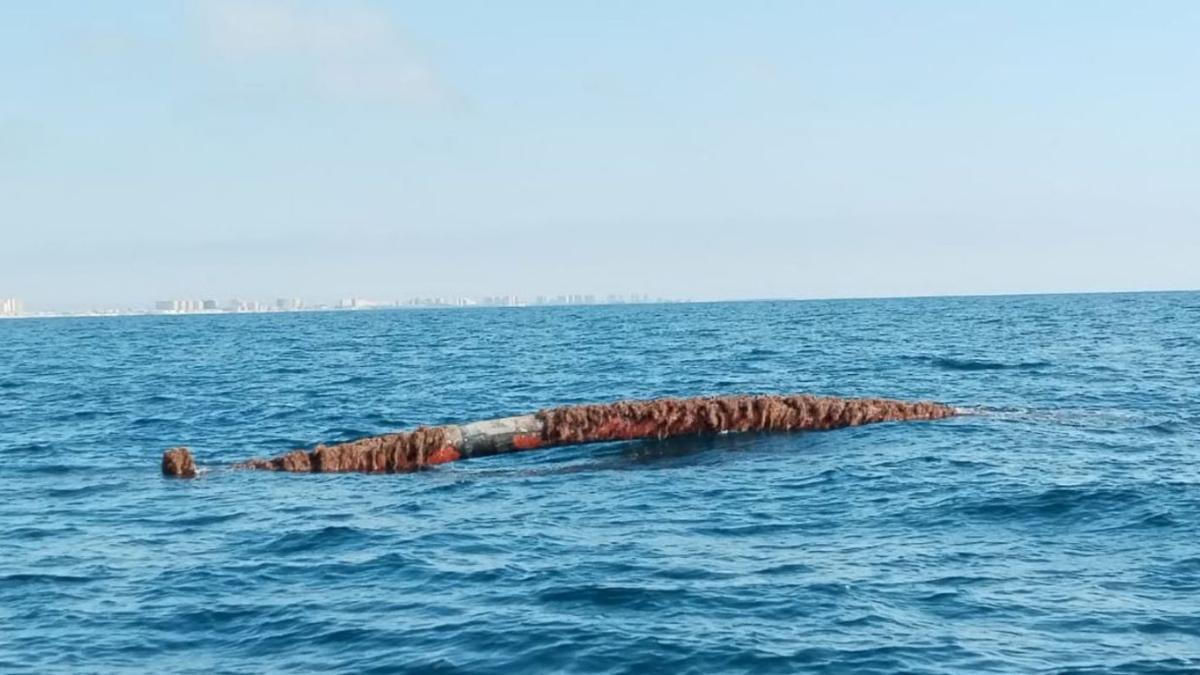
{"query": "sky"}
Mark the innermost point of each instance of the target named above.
(687, 149)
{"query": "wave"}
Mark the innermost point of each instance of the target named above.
(1165, 428)
(332, 536)
(1081, 501)
(43, 578)
(611, 596)
(968, 365)
(150, 421)
(207, 519)
(86, 415)
(29, 448)
(1108, 419)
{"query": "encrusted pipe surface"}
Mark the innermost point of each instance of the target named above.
(575, 424)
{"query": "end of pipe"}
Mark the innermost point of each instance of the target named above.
(178, 463)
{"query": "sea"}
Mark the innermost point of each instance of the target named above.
(1052, 528)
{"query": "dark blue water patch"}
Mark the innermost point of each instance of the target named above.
(975, 364)
(1186, 624)
(290, 414)
(74, 491)
(689, 574)
(1055, 504)
(85, 415)
(751, 530)
(1052, 531)
(1155, 520)
(229, 615)
(23, 580)
(961, 580)
(341, 434)
(39, 533)
(315, 541)
(351, 381)
(1163, 666)
(151, 421)
(55, 469)
(274, 445)
(1165, 428)
(760, 353)
(608, 597)
(786, 569)
(288, 370)
(33, 449)
(388, 422)
(206, 519)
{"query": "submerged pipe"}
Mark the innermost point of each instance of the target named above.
(576, 424)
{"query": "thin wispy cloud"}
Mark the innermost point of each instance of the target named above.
(335, 50)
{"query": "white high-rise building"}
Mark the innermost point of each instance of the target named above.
(179, 306)
(11, 307)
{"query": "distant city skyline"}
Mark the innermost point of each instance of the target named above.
(700, 149)
(11, 307)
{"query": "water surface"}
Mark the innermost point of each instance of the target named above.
(1056, 531)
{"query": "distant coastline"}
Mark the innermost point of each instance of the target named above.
(520, 304)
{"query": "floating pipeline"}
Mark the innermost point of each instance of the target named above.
(570, 425)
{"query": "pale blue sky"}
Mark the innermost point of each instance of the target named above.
(385, 149)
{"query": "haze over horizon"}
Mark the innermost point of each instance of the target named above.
(213, 148)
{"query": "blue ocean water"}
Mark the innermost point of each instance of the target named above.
(1056, 530)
